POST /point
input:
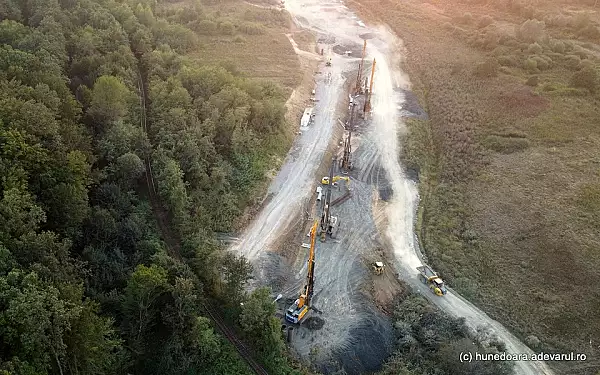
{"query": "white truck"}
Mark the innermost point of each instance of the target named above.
(306, 117)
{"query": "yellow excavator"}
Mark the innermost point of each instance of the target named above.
(325, 180)
(296, 312)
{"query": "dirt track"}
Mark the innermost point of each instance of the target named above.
(352, 325)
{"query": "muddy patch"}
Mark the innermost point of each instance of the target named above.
(411, 107)
(350, 49)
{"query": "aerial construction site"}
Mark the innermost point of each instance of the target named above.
(336, 235)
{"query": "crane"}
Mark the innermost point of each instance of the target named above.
(296, 312)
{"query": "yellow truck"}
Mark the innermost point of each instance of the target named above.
(430, 278)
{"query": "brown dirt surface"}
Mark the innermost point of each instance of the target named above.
(519, 235)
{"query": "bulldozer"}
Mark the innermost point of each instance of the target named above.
(378, 268)
(430, 278)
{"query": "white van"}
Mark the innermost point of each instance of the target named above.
(319, 193)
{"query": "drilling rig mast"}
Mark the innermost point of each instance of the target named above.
(346, 159)
(358, 88)
(298, 310)
(367, 108)
(328, 222)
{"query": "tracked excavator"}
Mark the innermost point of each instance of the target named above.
(325, 180)
(296, 313)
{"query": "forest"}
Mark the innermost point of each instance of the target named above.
(119, 159)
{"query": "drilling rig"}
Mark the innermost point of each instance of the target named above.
(296, 312)
(346, 158)
(367, 107)
(359, 83)
(328, 222)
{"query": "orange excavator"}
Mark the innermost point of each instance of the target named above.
(299, 309)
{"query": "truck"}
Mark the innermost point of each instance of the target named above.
(431, 279)
(306, 117)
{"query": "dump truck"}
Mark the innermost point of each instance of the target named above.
(430, 278)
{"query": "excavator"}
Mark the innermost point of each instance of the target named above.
(325, 180)
(296, 312)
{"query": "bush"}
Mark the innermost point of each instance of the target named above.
(508, 61)
(484, 21)
(586, 64)
(586, 78)
(532, 81)
(557, 46)
(541, 62)
(227, 28)
(532, 341)
(531, 31)
(251, 28)
(531, 65)
(572, 61)
(205, 27)
(534, 49)
(488, 68)
(505, 145)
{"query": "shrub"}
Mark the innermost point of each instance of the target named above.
(541, 62)
(532, 342)
(586, 78)
(572, 61)
(531, 31)
(484, 21)
(531, 65)
(532, 81)
(488, 68)
(534, 49)
(591, 32)
(505, 145)
(557, 46)
(227, 28)
(251, 28)
(586, 64)
(239, 39)
(508, 61)
(206, 27)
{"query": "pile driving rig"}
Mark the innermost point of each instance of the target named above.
(295, 313)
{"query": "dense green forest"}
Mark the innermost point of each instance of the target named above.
(105, 126)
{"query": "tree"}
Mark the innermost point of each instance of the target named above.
(236, 271)
(259, 324)
(128, 168)
(109, 99)
(143, 289)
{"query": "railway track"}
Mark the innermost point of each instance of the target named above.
(173, 247)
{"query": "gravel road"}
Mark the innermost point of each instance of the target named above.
(340, 270)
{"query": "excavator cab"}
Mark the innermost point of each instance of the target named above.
(378, 267)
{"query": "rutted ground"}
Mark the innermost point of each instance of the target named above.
(352, 324)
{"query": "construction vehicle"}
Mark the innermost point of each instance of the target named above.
(328, 222)
(430, 278)
(325, 180)
(296, 312)
(378, 267)
(328, 63)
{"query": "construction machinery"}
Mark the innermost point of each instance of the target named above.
(346, 163)
(296, 312)
(367, 107)
(328, 63)
(328, 222)
(378, 268)
(359, 82)
(325, 180)
(430, 278)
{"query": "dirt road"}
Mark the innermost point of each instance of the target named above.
(351, 325)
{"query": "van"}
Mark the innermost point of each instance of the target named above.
(319, 193)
